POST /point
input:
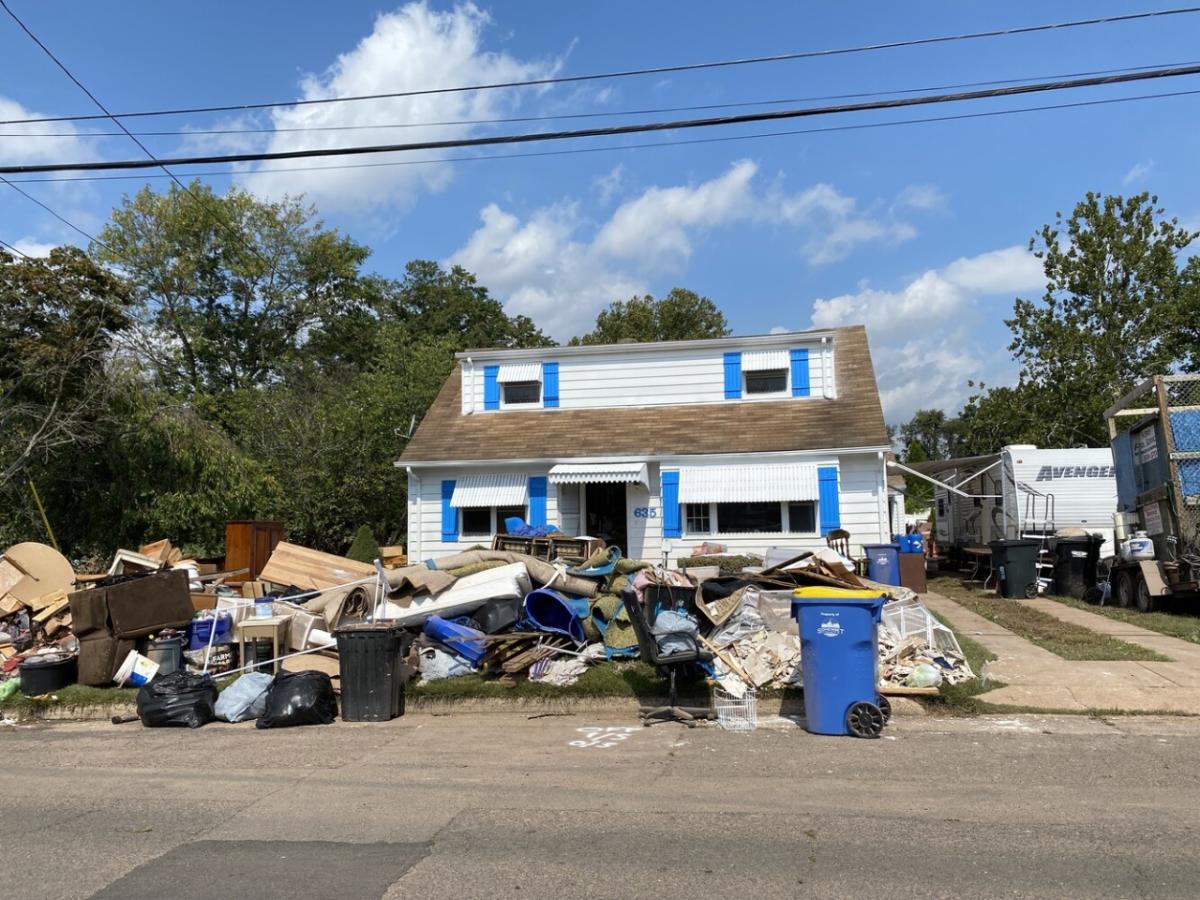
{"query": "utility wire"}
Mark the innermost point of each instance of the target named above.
(626, 73)
(589, 115)
(15, 250)
(618, 148)
(218, 219)
(56, 215)
(744, 118)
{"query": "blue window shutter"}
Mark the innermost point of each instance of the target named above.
(733, 376)
(449, 513)
(550, 385)
(537, 500)
(672, 520)
(491, 387)
(800, 383)
(827, 504)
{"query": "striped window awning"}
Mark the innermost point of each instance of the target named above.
(765, 360)
(744, 484)
(524, 371)
(597, 473)
(508, 489)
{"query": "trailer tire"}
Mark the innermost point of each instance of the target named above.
(1123, 589)
(1146, 601)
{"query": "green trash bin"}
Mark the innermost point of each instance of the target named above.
(1016, 564)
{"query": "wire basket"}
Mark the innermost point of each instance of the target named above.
(736, 713)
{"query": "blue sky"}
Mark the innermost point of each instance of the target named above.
(918, 231)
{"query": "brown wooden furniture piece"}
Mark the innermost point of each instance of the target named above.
(839, 539)
(248, 545)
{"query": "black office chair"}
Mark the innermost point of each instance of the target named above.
(668, 664)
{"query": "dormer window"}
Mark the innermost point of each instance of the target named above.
(767, 381)
(520, 392)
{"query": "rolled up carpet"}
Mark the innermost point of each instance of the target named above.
(539, 570)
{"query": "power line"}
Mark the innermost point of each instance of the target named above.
(639, 128)
(56, 215)
(590, 115)
(619, 148)
(15, 250)
(627, 73)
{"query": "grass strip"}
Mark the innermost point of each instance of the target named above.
(1063, 639)
(1184, 625)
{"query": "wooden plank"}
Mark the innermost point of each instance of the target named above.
(292, 564)
(40, 603)
(899, 690)
(52, 610)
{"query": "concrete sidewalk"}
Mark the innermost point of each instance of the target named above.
(1039, 679)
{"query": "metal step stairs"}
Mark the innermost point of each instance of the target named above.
(1041, 529)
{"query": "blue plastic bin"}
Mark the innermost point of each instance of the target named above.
(883, 563)
(460, 639)
(838, 650)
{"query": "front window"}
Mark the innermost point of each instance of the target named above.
(476, 520)
(698, 519)
(802, 517)
(517, 392)
(768, 381)
(504, 513)
(748, 518)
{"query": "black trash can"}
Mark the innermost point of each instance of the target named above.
(372, 676)
(1075, 562)
(1015, 562)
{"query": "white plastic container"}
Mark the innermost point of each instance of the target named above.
(1123, 524)
(136, 670)
(1137, 547)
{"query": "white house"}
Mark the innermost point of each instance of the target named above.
(750, 442)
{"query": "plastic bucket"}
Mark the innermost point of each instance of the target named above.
(167, 653)
(548, 610)
(136, 670)
(459, 638)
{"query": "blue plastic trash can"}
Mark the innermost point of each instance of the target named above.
(883, 563)
(840, 658)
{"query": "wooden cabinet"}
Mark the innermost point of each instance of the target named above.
(248, 545)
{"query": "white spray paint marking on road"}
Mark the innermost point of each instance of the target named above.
(601, 737)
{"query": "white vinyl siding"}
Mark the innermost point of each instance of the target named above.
(669, 377)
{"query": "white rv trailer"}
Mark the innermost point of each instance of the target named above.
(1021, 491)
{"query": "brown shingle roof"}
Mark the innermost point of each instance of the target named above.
(854, 419)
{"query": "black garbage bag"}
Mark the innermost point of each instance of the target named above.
(181, 699)
(299, 698)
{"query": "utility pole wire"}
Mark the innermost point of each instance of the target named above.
(15, 250)
(627, 73)
(610, 131)
(56, 215)
(617, 148)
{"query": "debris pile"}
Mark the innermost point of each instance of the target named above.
(542, 607)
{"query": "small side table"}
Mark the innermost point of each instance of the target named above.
(275, 628)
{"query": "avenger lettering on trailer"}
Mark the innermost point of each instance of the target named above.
(1050, 473)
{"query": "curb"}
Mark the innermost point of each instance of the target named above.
(562, 706)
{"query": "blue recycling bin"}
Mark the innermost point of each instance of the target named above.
(883, 563)
(839, 653)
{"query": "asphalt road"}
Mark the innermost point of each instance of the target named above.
(501, 805)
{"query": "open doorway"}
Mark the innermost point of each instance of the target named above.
(605, 506)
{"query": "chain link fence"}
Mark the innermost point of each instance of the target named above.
(1182, 432)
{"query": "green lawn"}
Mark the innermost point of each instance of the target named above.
(1183, 624)
(1063, 639)
(962, 699)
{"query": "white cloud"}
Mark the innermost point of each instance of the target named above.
(609, 185)
(921, 196)
(22, 147)
(1139, 172)
(545, 268)
(412, 48)
(34, 248)
(925, 336)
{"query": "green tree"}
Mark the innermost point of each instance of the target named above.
(60, 319)
(679, 316)
(939, 435)
(918, 493)
(1115, 296)
(364, 548)
(228, 285)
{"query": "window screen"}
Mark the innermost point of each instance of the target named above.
(734, 518)
(698, 520)
(768, 381)
(523, 392)
(802, 517)
(476, 520)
